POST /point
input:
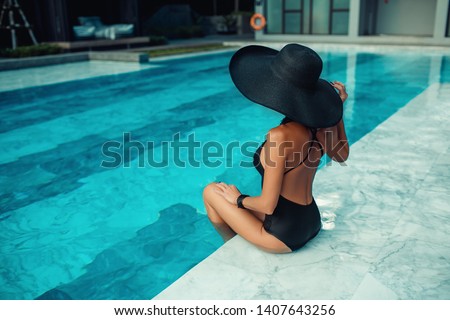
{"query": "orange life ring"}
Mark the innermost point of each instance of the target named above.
(254, 25)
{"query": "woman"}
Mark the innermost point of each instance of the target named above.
(285, 216)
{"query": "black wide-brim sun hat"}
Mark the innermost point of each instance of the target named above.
(287, 81)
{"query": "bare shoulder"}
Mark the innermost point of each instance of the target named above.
(277, 134)
(295, 131)
(288, 136)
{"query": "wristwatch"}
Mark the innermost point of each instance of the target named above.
(240, 199)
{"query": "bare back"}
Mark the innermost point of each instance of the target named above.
(302, 155)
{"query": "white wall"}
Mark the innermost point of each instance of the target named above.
(406, 17)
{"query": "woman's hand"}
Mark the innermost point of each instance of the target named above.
(228, 191)
(341, 88)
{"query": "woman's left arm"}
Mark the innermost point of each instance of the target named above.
(275, 159)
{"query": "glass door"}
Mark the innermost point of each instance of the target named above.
(307, 16)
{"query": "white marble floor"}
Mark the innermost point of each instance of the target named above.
(390, 236)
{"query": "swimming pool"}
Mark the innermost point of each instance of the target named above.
(73, 229)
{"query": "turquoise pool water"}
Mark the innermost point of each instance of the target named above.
(73, 229)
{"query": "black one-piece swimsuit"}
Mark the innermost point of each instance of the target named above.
(292, 223)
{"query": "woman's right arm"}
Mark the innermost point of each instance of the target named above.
(335, 138)
(336, 143)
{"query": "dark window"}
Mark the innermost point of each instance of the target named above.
(293, 16)
(274, 15)
(307, 16)
(339, 15)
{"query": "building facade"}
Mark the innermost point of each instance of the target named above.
(356, 21)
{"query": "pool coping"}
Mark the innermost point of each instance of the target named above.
(137, 56)
(349, 47)
(31, 62)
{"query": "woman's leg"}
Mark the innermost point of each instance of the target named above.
(221, 226)
(229, 220)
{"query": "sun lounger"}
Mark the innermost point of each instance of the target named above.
(93, 27)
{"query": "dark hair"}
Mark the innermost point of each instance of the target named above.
(286, 119)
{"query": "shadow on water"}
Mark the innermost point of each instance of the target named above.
(141, 267)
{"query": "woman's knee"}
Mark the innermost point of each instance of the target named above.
(208, 194)
(208, 191)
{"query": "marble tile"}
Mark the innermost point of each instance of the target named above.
(267, 276)
(371, 289)
(316, 273)
(438, 180)
(426, 217)
(219, 269)
(414, 269)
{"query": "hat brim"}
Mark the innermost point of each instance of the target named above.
(250, 70)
